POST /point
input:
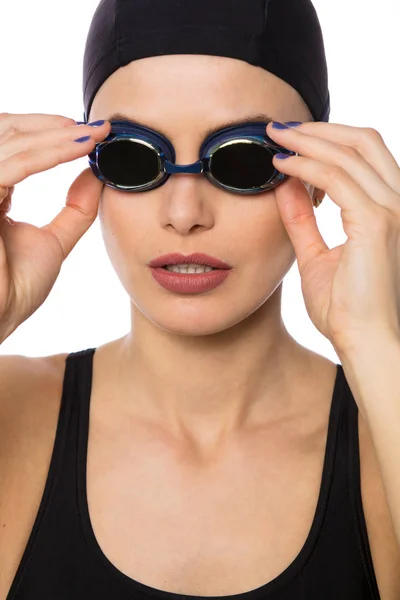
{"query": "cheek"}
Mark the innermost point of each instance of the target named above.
(264, 249)
(260, 234)
(123, 226)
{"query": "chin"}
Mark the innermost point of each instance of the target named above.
(194, 323)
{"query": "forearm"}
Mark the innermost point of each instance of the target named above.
(372, 369)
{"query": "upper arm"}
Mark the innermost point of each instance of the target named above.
(18, 377)
(385, 551)
(30, 397)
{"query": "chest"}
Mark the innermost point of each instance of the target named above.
(168, 520)
(190, 528)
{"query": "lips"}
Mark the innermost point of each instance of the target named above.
(196, 259)
(187, 283)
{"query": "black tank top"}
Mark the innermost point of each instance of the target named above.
(63, 561)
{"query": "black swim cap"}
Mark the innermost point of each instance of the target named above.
(281, 36)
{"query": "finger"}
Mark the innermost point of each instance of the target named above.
(340, 187)
(298, 216)
(11, 123)
(3, 193)
(6, 198)
(360, 215)
(14, 123)
(5, 204)
(79, 213)
(37, 152)
(366, 141)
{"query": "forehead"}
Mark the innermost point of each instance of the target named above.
(201, 94)
(255, 118)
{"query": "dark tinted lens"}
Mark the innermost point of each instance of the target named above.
(128, 163)
(242, 165)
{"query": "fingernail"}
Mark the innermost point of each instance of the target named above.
(293, 123)
(282, 156)
(96, 123)
(83, 139)
(277, 125)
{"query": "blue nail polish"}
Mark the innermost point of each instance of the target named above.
(277, 125)
(83, 139)
(96, 123)
(293, 123)
(282, 156)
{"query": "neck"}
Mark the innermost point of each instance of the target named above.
(207, 387)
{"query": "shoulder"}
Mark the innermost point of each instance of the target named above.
(19, 373)
(13, 365)
(29, 386)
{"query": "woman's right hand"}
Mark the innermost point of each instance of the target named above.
(31, 257)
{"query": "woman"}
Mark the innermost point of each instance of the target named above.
(222, 457)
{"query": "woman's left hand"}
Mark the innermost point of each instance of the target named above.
(353, 290)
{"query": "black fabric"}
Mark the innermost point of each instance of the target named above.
(63, 561)
(282, 36)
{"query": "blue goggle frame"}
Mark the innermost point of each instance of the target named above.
(246, 133)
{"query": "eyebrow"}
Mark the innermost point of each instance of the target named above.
(256, 118)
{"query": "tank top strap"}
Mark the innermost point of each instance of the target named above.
(78, 388)
(78, 374)
(75, 405)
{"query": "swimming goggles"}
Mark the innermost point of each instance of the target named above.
(237, 159)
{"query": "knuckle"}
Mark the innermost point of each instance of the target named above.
(23, 160)
(348, 152)
(369, 138)
(13, 130)
(65, 121)
(8, 129)
(335, 175)
(7, 121)
(371, 132)
(371, 135)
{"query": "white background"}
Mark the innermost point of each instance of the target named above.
(41, 49)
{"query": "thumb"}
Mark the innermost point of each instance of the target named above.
(79, 212)
(297, 214)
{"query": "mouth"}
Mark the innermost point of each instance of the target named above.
(190, 269)
(189, 262)
(190, 279)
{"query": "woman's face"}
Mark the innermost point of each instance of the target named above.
(184, 95)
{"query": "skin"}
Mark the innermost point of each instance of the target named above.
(204, 366)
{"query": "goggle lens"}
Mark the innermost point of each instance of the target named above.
(129, 163)
(242, 165)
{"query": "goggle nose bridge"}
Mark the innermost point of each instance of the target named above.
(197, 167)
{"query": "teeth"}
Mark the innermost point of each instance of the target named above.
(189, 268)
